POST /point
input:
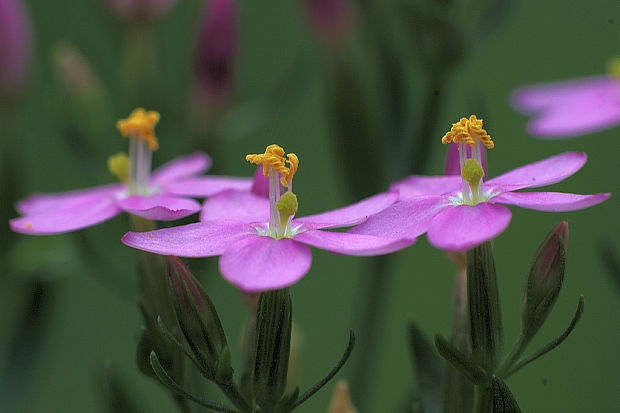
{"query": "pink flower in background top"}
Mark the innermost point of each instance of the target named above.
(459, 213)
(162, 196)
(15, 46)
(216, 50)
(262, 246)
(574, 107)
(137, 9)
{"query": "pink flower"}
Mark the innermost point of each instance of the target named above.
(216, 50)
(262, 246)
(570, 108)
(458, 213)
(15, 45)
(163, 196)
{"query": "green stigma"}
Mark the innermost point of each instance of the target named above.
(473, 173)
(118, 165)
(286, 206)
(613, 66)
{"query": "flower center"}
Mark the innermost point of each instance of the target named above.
(469, 132)
(281, 207)
(139, 127)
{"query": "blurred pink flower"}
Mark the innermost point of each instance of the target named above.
(139, 8)
(570, 108)
(15, 45)
(330, 20)
(216, 50)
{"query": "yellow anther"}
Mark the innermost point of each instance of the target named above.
(118, 165)
(613, 67)
(472, 172)
(468, 131)
(140, 125)
(274, 157)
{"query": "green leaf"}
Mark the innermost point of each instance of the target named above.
(470, 368)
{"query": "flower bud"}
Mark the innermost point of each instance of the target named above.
(15, 46)
(544, 280)
(330, 20)
(273, 345)
(199, 322)
(139, 9)
(341, 400)
(216, 51)
(76, 74)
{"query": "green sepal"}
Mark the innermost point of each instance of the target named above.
(503, 400)
(544, 281)
(223, 369)
(466, 365)
(197, 317)
(485, 325)
(143, 352)
(273, 345)
(427, 369)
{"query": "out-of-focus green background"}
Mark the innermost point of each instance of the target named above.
(90, 312)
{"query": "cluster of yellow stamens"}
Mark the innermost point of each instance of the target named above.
(467, 131)
(274, 158)
(140, 125)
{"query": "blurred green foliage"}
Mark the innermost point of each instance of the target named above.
(281, 97)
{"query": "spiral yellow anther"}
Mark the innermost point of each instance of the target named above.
(140, 125)
(468, 131)
(274, 157)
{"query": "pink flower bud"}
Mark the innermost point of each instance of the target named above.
(216, 50)
(330, 20)
(15, 45)
(139, 9)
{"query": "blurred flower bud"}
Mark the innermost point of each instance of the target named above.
(330, 20)
(199, 322)
(139, 9)
(341, 400)
(452, 164)
(15, 46)
(76, 74)
(273, 345)
(544, 280)
(216, 51)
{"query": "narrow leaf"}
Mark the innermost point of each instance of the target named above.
(553, 344)
(312, 390)
(503, 400)
(460, 361)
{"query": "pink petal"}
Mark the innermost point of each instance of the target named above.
(76, 213)
(194, 164)
(541, 173)
(262, 263)
(550, 201)
(347, 243)
(204, 186)
(159, 207)
(240, 206)
(539, 97)
(458, 228)
(201, 239)
(406, 219)
(427, 185)
(571, 108)
(43, 202)
(349, 215)
(260, 184)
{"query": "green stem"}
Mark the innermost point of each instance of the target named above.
(370, 310)
(483, 398)
(234, 395)
(515, 353)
